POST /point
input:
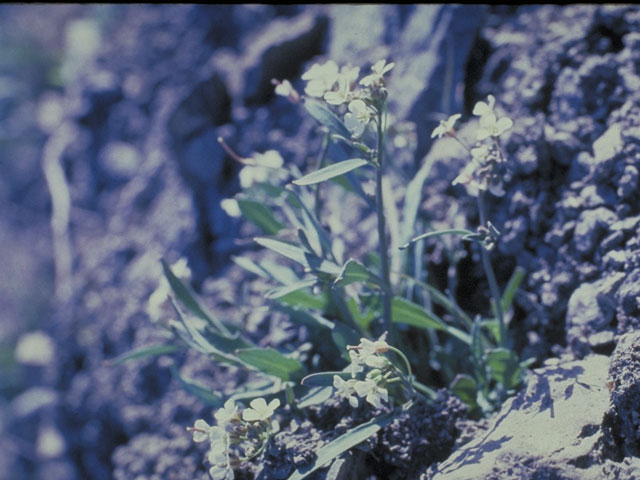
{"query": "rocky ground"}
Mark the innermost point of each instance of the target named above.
(118, 166)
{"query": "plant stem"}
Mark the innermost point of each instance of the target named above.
(382, 231)
(491, 277)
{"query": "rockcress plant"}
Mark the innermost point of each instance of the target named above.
(348, 302)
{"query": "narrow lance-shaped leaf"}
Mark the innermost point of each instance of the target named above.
(271, 362)
(333, 170)
(326, 117)
(189, 300)
(344, 442)
(504, 367)
(260, 215)
(512, 288)
(438, 234)
(323, 379)
(279, 292)
(299, 255)
(405, 311)
(196, 389)
(466, 388)
(352, 272)
(142, 352)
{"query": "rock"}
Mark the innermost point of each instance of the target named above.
(628, 303)
(591, 310)
(549, 430)
(628, 183)
(621, 422)
(609, 144)
(590, 228)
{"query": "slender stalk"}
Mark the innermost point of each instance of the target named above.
(387, 295)
(491, 277)
(320, 164)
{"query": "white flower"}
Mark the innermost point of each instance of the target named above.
(260, 410)
(201, 431)
(227, 414)
(350, 74)
(221, 473)
(219, 455)
(367, 347)
(320, 78)
(340, 96)
(259, 171)
(379, 69)
(231, 207)
(491, 126)
(268, 159)
(358, 117)
(345, 389)
(372, 391)
(285, 89)
(446, 127)
(356, 363)
(481, 108)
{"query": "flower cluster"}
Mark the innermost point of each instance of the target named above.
(339, 86)
(368, 355)
(248, 432)
(486, 169)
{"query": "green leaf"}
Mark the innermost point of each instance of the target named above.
(326, 117)
(353, 271)
(344, 442)
(189, 299)
(196, 389)
(323, 379)
(344, 335)
(315, 396)
(251, 266)
(279, 292)
(512, 288)
(407, 312)
(504, 367)
(334, 170)
(306, 318)
(466, 388)
(271, 362)
(260, 388)
(304, 299)
(192, 336)
(438, 234)
(142, 352)
(299, 255)
(260, 215)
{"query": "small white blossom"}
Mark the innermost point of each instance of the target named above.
(358, 117)
(221, 472)
(491, 126)
(484, 108)
(320, 78)
(372, 391)
(356, 363)
(446, 127)
(259, 171)
(285, 89)
(379, 69)
(340, 96)
(345, 389)
(259, 410)
(231, 207)
(201, 430)
(227, 414)
(350, 74)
